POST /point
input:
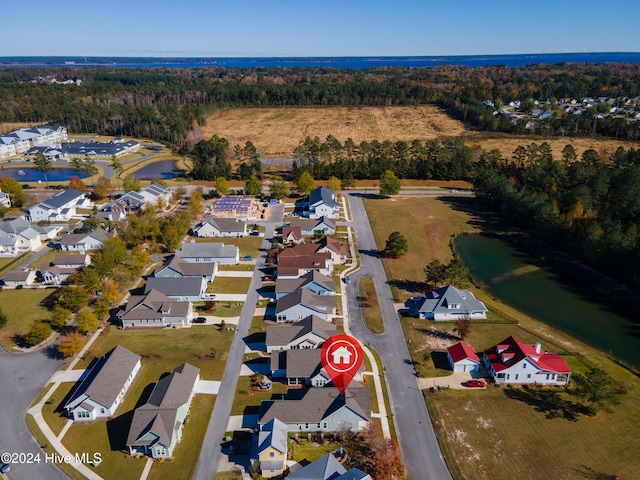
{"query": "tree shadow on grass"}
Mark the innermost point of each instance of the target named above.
(548, 402)
(592, 474)
(409, 285)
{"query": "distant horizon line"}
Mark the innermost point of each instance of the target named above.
(76, 56)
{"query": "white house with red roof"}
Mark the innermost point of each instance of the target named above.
(463, 358)
(513, 362)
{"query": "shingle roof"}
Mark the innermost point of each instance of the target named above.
(16, 276)
(152, 305)
(320, 303)
(176, 286)
(69, 259)
(107, 377)
(14, 225)
(315, 404)
(188, 269)
(298, 363)
(289, 285)
(283, 335)
(273, 434)
(226, 224)
(76, 238)
(207, 249)
(325, 468)
(440, 300)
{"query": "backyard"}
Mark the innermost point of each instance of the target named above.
(21, 307)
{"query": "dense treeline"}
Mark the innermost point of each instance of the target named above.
(446, 160)
(589, 207)
(165, 104)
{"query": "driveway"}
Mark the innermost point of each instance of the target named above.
(210, 452)
(23, 377)
(418, 443)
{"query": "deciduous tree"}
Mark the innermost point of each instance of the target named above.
(111, 254)
(334, 184)
(305, 183)
(463, 326)
(131, 184)
(74, 298)
(278, 187)
(87, 321)
(102, 188)
(13, 188)
(253, 186)
(389, 184)
(71, 344)
(77, 184)
(222, 186)
(59, 316)
(38, 332)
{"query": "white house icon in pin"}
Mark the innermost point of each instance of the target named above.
(341, 356)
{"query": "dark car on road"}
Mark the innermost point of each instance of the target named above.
(4, 467)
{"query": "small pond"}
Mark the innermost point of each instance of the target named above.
(27, 174)
(164, 169)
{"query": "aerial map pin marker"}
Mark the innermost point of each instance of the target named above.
(341, 357)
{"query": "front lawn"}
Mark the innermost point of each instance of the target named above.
(248, 245)
(21, 307)
(220, 309)
(52, 410)
(235, 285)
(370, 306)
(247, 398)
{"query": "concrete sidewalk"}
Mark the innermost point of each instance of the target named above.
(230, 273)
(68, 376)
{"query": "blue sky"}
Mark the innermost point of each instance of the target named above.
(321, 28)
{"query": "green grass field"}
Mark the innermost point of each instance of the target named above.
(236, 285)
(248, 245)
(370, 306)
(246, 397)
(22, 307)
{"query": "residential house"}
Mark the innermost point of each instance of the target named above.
(303, 258)
(220, 227)
(313, 280)
(310, 227)
(272, 448)
(7, 245)
(21, 236)
(320, 409)
(327, 468)
(302, 303)
(309, 333)
(60, 207)
(513, 362)
(446, 303)
(323, 203)
(462, 358)
(5, 200)
(63, 265)
(156, 427)
(17, 278)
(330, 245)
(303, 367)
(208, 252)
(155, 309)
(186, 289)
(135, 200)
(84, 242)
(99, 149)
(179, 268)
(102, 391)
(292, 235)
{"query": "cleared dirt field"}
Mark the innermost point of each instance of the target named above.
(277, 132)
(10, 127)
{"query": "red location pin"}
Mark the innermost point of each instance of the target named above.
(341, 357)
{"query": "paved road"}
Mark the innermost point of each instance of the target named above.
(22, 378)
(418, 443)
(210, 453)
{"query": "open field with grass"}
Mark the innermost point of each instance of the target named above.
(504, 433)
(163, 350)
(278, 131)
(427, 223)
(370, 306)
(21, 308)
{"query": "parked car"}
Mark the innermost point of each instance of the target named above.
(475, 383)
(268, 278)
(4, 467)
(246, 258)
(254, 233)
(347, 279)
(199, 320)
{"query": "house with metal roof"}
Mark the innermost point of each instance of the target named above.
(513, 362)
(102, 391)
(60, 207)
(99, 149)
(272, 448)
(303, 302)
(186, 289)
(220, 227)
(327, 468)
(156, 427)
(446, 303)
(155, 309)
(463, 358)
(136, 200)
(320, 409)
(313, 280)
(309, 333)
(208, 252)
(323, 203)
(23, 139)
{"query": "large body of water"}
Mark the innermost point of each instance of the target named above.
(33, 175)
(543, 294)
(353, 63)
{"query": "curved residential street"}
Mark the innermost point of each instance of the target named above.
(22, 377)
(420, 450)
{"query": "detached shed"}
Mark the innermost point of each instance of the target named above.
(462, 358)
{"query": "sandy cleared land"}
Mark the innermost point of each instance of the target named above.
(10, 127)
(276, 132)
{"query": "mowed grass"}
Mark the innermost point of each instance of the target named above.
(247, 398)
(487, 435)
(21, 307)
(52, 410)
(278, 131)
(236, 285)
(427, 223)
(248, 245)
(163, 350)
(370, 306)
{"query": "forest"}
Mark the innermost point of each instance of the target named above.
(166, 104)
